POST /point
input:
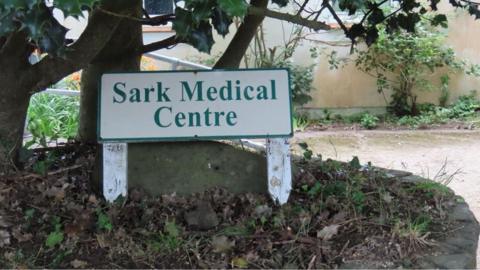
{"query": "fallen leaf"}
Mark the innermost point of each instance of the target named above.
(263, 211)
(387, 197)
(328, 232)
(221, 244)
(78, 263)
(4, 238)
(239, 262)
(21, 237)
(4, 223)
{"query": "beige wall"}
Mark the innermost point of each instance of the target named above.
(347, 87)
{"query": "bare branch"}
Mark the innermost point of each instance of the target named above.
(335, 16)
(165, 43)
(296, 19)
(157, 20)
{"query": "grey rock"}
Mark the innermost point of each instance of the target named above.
(461, 212)
(396, 173)
(413, 179)
(202, 217)
(452, 261)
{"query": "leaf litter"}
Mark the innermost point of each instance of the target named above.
(337, 214)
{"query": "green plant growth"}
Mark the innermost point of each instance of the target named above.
(56, 236)
(369, 121)
(103, 221)
(167, 240)
(402, 61)
(51, 117)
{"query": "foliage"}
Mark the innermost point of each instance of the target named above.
(402, 61)
(56, 236)
(36, 19)
(300, 123)
(464, 108)
(51, 117)
(103, 221)
(280, 56)
(369, 121)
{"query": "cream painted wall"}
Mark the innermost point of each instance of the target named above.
(346, 87)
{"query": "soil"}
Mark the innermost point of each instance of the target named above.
(338, 213)
(442, 155)
(451, 125)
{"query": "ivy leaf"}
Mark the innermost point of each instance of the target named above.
(221, 21)
(441, 20)
(234, 8)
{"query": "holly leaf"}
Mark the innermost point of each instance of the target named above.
(183, 23)
(355, 31)
(351, 5)
(473, 10)
(221, 21)
(202, 38)
(69, 7)
(280, 3)
(376, 16)
(408, 21)
(234, 8)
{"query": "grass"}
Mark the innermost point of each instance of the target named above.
(51, 117)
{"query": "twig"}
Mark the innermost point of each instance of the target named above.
(312, 261)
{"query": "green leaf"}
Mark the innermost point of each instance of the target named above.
(202, 38)
(441, 20)
(280, 3)
(234, 8)
(221, 21)
(183, 23)
(54, 238)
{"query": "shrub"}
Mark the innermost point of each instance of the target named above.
(401, 61)
(369, 121)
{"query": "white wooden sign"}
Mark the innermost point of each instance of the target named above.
(205, 104)
(192, 105)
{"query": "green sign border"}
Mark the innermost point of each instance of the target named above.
(193, 138)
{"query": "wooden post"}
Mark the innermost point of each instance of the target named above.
(114, 170)
(279, 169)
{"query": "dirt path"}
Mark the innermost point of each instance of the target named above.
(434, 154)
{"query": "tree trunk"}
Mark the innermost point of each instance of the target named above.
(235, 51)
(120, 54)
(13, 111)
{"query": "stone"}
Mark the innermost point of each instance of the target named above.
(413, 179)
(203, 217)
(396, 173)
(461, 212)
(189, 167)
(453, 261)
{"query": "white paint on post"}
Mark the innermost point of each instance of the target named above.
(114, 170)
(279, 169)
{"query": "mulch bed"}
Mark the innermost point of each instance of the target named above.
(338, 214)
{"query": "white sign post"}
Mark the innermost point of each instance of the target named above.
(193, 105)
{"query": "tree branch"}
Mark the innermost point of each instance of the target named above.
(53, 68)
(296, 19)
(165, 43)
(157, 20)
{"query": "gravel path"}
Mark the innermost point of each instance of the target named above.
(436, 154)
